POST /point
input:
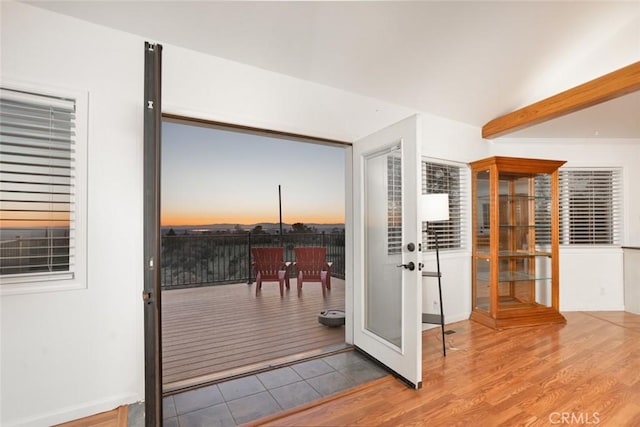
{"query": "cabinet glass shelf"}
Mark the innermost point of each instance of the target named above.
(527, 226)
(484, 253)
(512, 276)
(517, 197)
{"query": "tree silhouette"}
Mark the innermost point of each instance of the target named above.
(258, 230)
(299, 227)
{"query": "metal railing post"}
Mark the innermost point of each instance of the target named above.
(250, 280)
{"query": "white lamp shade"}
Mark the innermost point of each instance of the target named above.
(435, 207)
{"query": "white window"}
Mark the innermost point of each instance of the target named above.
(590, 206)
(42, 174)
(451, 178)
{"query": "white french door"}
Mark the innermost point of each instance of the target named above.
(387, 316)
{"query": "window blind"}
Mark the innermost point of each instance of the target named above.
(446, 178)
(542, 209)
(394, 202)
(590, 206)
(37, 163)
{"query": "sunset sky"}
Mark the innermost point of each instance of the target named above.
(210, 176)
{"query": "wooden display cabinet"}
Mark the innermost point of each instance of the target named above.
(515, 242)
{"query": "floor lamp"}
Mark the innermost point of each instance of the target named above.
(435, 207)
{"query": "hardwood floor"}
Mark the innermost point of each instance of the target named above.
(583, 373)
(114, 418)
(217, 331)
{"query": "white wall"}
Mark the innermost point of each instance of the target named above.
(632, 280)
(451, 141)
(70, 354)
(212, 88)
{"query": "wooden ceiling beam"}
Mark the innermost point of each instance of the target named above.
(610, 86)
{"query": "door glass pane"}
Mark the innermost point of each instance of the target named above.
(383, 243)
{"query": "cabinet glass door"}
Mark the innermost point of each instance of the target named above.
(524, 279)
(481, 259)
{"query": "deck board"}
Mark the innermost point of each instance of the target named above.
(215, 329)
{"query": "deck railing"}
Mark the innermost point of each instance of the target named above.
(213, 259)
(24, 255)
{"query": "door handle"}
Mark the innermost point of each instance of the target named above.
(411, 266)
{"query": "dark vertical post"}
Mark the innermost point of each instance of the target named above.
(280, 210)
(151, 245)
(250, 281)
(444, 346)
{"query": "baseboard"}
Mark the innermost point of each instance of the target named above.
(615, 307)
(73, 412)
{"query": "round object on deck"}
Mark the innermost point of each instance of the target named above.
(331, 317)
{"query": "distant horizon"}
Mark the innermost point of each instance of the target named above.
(248, 220)
(214, 176)
(253, 224)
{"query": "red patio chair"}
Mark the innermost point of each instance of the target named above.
(269, 266)
(312, 267)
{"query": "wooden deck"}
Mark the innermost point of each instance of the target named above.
(219, 331)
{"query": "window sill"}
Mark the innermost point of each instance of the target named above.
(31, 285)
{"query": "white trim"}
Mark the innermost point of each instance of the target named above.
(464, 208)
(590, 249)
(77, 279)
(72, 413)
(617, 201)
(348, 248)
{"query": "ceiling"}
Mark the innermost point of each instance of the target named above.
(467, 61)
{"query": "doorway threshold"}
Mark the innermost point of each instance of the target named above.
(294, 385)
(253, 369)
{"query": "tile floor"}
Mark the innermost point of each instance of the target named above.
(245, 399)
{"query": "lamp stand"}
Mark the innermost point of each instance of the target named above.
(435, 207)
(435, 233)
